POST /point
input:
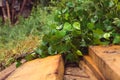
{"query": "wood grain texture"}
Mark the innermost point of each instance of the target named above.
(87, 70)
(75, 73)
(107, 59)
(5, 73)
(50, 68)
(90, 63)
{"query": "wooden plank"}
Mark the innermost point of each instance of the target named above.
(87, 70)
(107, 59)
(6, 72)
(49, 68)
(90, 63)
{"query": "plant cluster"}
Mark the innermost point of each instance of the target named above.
(78, 24)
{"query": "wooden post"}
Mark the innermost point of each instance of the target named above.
(13, 12)
(22, 7)
(8, 11)
(4, 14)
(2, 5)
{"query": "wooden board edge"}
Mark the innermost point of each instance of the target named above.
(104, 68)
(87, 70)
(90, 63)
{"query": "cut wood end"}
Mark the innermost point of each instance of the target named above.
(50, 68)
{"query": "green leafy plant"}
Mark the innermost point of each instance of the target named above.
(78, 24)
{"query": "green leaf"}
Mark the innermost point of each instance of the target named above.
(66, 16)
(70, 4)
(18, 63)
(94, 19)
(98, 33)
(78, 52)
(38, 51)
(90, 25)
(65, 10)
(83, 43)
(67, 26)
(76, 25)
(117, 22)
(116, 39)
(111, 3)
(60, 34)
(76, 33)
(118, 6)
(107, 36)
(59, 27)
(108, 28)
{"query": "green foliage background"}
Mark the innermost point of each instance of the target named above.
(20, 38)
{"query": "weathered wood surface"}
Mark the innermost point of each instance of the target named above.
(90, 63)
(6, 72)
(50, 68)
(107, 59)
(87, 70)
(75, 73)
